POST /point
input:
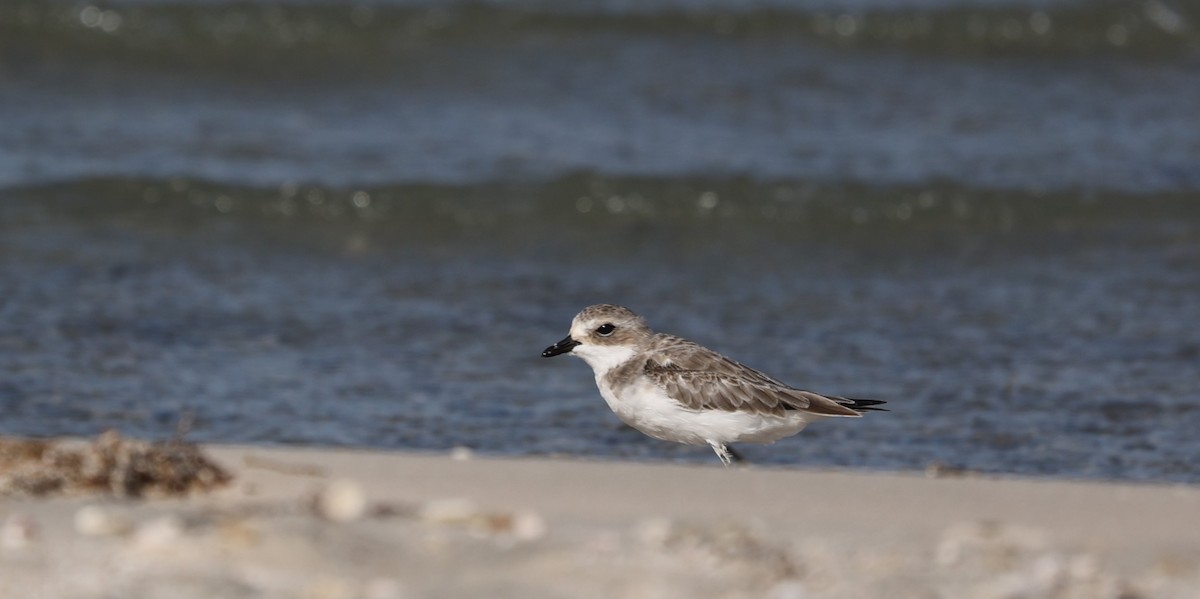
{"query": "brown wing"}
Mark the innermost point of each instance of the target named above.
(680, 354)
(702, 379)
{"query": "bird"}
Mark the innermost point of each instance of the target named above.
(676, 390)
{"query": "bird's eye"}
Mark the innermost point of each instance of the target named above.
(605, 329)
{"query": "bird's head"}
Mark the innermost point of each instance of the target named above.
(603, 335)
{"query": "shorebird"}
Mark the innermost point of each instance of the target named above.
(675, 390)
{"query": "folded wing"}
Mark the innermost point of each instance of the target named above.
(702, 379)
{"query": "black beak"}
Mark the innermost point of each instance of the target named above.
(562, 347)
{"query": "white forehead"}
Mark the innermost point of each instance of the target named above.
(591, 319)
(581, 327)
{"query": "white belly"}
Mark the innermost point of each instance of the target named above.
(646, 407)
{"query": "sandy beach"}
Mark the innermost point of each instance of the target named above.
(355, 524)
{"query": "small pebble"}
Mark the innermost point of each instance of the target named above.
(158, 533)
(528, 526)
(342, 501)
(95, 521)
(461, 453)
(449, 511)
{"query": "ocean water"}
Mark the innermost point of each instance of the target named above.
(358, 223)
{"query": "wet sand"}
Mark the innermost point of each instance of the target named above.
(349, 524)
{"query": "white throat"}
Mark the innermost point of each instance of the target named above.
(603, 358)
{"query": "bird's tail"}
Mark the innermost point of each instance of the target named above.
(861, 405)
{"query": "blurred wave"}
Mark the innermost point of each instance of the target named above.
(1004, 94)
(305, 36)
(696, 206)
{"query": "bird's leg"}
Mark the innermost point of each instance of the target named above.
(722, 452)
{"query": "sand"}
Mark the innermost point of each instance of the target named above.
(354, 524)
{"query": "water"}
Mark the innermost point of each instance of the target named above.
(358, 224)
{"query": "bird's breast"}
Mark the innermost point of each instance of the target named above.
(648, 408)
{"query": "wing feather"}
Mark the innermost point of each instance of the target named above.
(702, 379)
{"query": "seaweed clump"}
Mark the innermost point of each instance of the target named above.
(111, 465)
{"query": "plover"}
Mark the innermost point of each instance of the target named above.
(676, 390)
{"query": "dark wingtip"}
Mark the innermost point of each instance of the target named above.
(863, 405)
